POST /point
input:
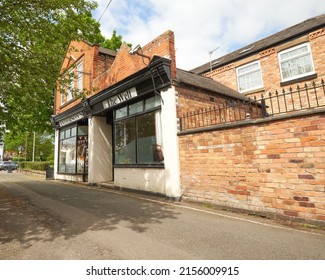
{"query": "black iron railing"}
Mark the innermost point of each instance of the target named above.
(302, 98)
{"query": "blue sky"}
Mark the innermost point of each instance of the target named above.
(202, 25)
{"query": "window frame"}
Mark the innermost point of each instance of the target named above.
(307, 44)
(129, 116)
(74, 84)
(75, 135)
(79, 76)
(249, 72)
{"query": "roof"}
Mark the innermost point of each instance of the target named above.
(107, 51)
(101, 49)
(285, 35)
(192, 79)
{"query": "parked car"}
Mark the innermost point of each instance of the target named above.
(5, 165)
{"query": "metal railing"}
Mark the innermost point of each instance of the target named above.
(302, 98)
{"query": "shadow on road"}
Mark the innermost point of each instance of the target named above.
(34, 210)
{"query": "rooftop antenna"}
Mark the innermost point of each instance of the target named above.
(210, 53)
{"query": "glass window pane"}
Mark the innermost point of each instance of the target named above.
(74, 131)
(83, 130)
(70, 88)
(249, 77)
(80, 76)
(67, 161)
(125, 142)
(120, 113)
(67, 133)
(247, 69)
(149, 146)
(152, 102)
(62, 134)
(82, 154)
(136, 108)
(296, 62)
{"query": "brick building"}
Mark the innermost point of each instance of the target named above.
(270, 164)
(116, 114)
(141, 123)
(292, 56)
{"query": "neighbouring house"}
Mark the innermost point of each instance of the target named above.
(271, 164)
(291, 56)
(116, 114)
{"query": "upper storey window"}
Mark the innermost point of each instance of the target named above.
(72, 83)
(249, 77)
(296, 62)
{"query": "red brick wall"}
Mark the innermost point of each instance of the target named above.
(196, 108)
(190, 99)
(276, 168)
(103, 75)
(126, 64)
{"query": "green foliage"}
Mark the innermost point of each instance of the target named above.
(34, 35)
(114, 43)
(44, 143)
(37, 165)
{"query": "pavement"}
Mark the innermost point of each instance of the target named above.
(56, 220)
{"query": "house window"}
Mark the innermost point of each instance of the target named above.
(296, 62)
(73, 156)
(249, 77)
(70, 87)
(72, 83)
(80, 77)
(137, 130)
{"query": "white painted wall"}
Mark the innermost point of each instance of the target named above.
(145, 179)
(100, 161)
(56, 153)
(170, 143)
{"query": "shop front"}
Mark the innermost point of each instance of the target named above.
(127, 136)
(71, 146)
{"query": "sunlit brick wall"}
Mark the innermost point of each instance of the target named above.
(276, 168)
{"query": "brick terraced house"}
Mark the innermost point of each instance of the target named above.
(291, 56)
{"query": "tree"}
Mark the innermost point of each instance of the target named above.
(44, 145)
(34, 35)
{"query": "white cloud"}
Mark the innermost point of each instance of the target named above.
(202, 25)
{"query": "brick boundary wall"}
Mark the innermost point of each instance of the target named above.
(273, 167)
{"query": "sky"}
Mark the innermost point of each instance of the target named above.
(202, 26)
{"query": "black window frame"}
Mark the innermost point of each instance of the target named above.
(70, 128)
(135, 116)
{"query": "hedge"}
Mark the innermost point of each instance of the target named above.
(36, 165)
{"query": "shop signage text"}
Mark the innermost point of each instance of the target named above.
(71, 119)
(119, 98)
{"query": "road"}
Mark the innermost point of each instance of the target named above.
(54, 220)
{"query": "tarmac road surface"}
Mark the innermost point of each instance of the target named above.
(54, 220)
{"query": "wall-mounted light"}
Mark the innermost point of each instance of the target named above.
(136, 50)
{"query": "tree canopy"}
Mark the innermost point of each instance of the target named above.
(34, 35)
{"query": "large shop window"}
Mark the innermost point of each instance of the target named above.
(296, 62)
(138, 137)
(73, 153)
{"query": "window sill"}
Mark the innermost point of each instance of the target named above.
(72, 174)
(298, 80)
(69, 102)
(158, 166)
(254, 91)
